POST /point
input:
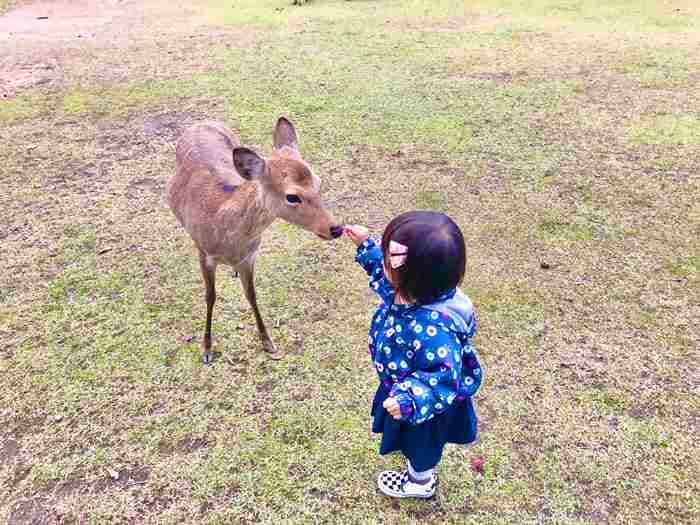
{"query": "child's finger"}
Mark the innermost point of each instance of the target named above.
(392, 407)
(356, 229)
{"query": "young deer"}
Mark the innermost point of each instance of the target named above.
(225, 195)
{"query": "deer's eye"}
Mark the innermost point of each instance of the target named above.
(293, 199)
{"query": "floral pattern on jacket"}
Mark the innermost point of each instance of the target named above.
(422, 353)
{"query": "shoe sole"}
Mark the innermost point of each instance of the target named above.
(398, 495)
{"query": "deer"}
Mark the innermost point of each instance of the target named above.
(226, 195)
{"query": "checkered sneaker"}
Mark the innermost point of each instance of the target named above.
(399, 485)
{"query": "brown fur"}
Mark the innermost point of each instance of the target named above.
(225, 196)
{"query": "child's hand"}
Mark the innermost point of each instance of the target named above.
(358, 234)
(392, 406)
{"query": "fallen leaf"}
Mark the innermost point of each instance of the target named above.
(478, 465)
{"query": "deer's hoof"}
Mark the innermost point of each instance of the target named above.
(208, 358)
(272, 351)
(276, 355)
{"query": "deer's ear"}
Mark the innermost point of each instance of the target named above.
(249, 164)
(285, 135)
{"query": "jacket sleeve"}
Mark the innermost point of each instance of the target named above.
(471, 373)
(370, 257)
(471, 369)
(432, 388)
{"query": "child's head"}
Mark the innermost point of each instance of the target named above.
(434, 255)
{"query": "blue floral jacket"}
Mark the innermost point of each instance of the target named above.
(422, 353)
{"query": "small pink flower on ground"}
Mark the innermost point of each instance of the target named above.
(478, 465)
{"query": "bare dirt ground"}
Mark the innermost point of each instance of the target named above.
(39, 38)
(39, 41)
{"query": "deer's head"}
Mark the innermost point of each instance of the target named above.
(292, 191)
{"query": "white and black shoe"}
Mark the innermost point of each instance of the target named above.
(399, 485)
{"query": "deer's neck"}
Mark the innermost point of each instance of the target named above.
(256, 212)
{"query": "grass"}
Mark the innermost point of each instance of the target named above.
(670, 130)
(561, 135)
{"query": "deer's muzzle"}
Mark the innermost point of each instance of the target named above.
(336, 231)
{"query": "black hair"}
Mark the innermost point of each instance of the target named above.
(436, 258)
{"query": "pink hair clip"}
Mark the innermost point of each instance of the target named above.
(397, 254)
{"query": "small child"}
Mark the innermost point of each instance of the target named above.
(419, 342)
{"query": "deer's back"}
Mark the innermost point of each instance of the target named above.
(212, 214)
(209, 145)
(204, 165)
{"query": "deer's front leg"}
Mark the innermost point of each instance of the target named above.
(246, 272)
(208, 267)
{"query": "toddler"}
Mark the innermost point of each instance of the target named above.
(420, 345)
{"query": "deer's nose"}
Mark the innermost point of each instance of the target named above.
(336, 231)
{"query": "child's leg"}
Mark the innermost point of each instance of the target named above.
(419, 477)
(409, 483)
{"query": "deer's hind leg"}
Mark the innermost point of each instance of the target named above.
(208, 267)
(246, 272)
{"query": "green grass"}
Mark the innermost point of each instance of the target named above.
(21, 108)
(560, 134)
(686, 267)
(672, 130)
(5, 5)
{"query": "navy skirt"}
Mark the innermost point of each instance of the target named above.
(423, 444)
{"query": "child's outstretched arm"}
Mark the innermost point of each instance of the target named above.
(370, 257)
